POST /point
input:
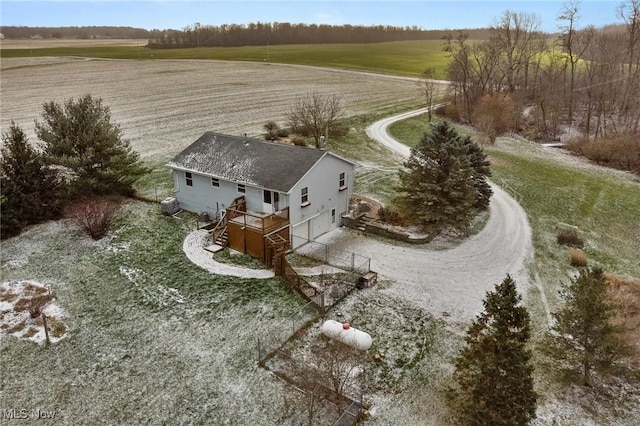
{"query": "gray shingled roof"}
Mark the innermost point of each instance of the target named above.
(250, 161)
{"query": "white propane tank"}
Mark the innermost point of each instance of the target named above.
(346, 334)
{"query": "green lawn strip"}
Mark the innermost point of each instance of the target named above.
(409, 58)
(602, 206)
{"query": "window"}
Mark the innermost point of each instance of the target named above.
(333, 215)
(342, 183)
(215, 182)
(266, 196)
(305, 196)
(241, 188)
(188, 178)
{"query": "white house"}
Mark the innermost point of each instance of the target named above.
(297, 192)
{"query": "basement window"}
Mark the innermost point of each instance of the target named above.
(304, 196)
(188, 178)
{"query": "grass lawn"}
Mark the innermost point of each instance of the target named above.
(409, 58)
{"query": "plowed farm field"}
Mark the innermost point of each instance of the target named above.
(163, 106)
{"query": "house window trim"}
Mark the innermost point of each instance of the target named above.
(215, 182)
(342, 181)
(188, 179)
(304, 197)
(242, 189)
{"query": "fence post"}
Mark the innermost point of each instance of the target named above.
(259, 355)
(326, 253)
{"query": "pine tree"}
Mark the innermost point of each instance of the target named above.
(81, 137)
(441, 183)
(493, 374)
(583, 333)
(29, 188)
(482, 171)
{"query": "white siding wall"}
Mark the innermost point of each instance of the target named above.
(324, 194)
(204, 197)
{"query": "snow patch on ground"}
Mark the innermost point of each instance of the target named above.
(15, 319)
(161, 295)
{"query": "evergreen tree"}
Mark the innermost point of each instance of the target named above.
(81, 137)
(482, 171)
(441, 183)
(29, 188)
(583, 333)
(493, 374)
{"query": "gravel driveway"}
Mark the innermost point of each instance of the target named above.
(449, 282)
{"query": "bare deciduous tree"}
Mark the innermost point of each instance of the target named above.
(315, 113)
(429, 88)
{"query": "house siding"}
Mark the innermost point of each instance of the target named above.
(204, 197)
(324, 194)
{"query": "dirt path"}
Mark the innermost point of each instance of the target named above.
(448, 282)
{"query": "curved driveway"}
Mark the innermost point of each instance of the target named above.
(450, 282)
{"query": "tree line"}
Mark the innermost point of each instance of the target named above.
(260, 33)
(588, 78)
(83, 33)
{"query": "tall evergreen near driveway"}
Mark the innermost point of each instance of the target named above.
(444, 180)
(493, 373)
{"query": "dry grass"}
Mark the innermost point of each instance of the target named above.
(577, 257)
(570, 238)
(625, 292)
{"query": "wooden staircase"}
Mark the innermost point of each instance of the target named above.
(223, 238)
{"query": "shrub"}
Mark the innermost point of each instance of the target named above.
(298, 141)
(95, 217)
(577, 257)
(361, 206)
(387, 215)
(494, 115)
(450, 111)
(569, 238)
(271, 128)
(619, 151)
(282, 133)
(36, 305)
(338, 131)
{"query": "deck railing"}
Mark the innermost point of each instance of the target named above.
(264, 223)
